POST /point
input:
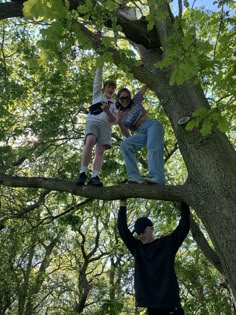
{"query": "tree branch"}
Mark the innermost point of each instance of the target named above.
(137, 32)
(206, 249)
(11, 9)
(157, 192)
(34, 206)
(164, 26)
(134, 30)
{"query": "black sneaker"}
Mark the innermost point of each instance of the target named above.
(81, 180)
(95, 181)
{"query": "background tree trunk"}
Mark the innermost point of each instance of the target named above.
(211, 185)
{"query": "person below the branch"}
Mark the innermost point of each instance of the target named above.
(100, 119)
(156, 285)
(132, 116)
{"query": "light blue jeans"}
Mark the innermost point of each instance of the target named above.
(150, 134)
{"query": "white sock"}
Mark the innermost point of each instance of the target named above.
(95, 173)
(84, 169)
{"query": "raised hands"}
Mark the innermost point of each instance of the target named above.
(105, 107)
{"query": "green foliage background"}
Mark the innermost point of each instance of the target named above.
(55, 246)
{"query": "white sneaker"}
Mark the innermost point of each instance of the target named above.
(136, 181)
(151, 180)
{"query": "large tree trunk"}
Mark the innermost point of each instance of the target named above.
(211, 186)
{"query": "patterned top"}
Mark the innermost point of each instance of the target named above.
(132, 114)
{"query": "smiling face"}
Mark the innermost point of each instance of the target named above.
(109, 90)
(124, 97)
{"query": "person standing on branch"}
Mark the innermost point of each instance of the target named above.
(132, 116)
(100, 119)
(156, 285)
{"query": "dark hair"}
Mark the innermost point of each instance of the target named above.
(141, 224)
(118, 105)
(109, 83)
(123, 90)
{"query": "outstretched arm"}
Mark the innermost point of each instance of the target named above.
(97, 86)
(143, 89)
(123, 229)
(138, 97)
(180, 233)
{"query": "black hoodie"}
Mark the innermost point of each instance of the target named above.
(156, 284)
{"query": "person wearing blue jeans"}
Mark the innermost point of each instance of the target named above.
(148, 132)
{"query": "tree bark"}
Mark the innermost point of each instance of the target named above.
(11, 9)
(210, 162)
(206, 249)
(40, 276)
(171, 193)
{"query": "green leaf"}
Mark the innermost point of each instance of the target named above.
(191, 124)
(151, 22)
(33, 8)
(223, 124)
(202, 111)
(206, 127)
(41, 9)
(188, 40)
(76, 28)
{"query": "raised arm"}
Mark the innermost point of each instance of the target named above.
(143, 89)
(123, 229)
(97, 86)
(180, 233)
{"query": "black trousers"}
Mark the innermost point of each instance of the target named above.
(154, 311)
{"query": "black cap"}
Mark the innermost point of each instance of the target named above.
(141, 224)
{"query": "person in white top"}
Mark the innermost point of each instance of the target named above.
(100, 119)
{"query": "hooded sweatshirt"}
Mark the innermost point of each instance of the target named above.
(155, 281)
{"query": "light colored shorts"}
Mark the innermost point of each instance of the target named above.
(101, 131)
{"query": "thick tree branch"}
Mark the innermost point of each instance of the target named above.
(143, 73)
(164, 26)
(135, 31)
(171, 193)
(40, 276)
(11, 10)
(206, 249)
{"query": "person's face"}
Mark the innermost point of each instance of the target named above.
(147, 235)
(124, 99)
(109, 90)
